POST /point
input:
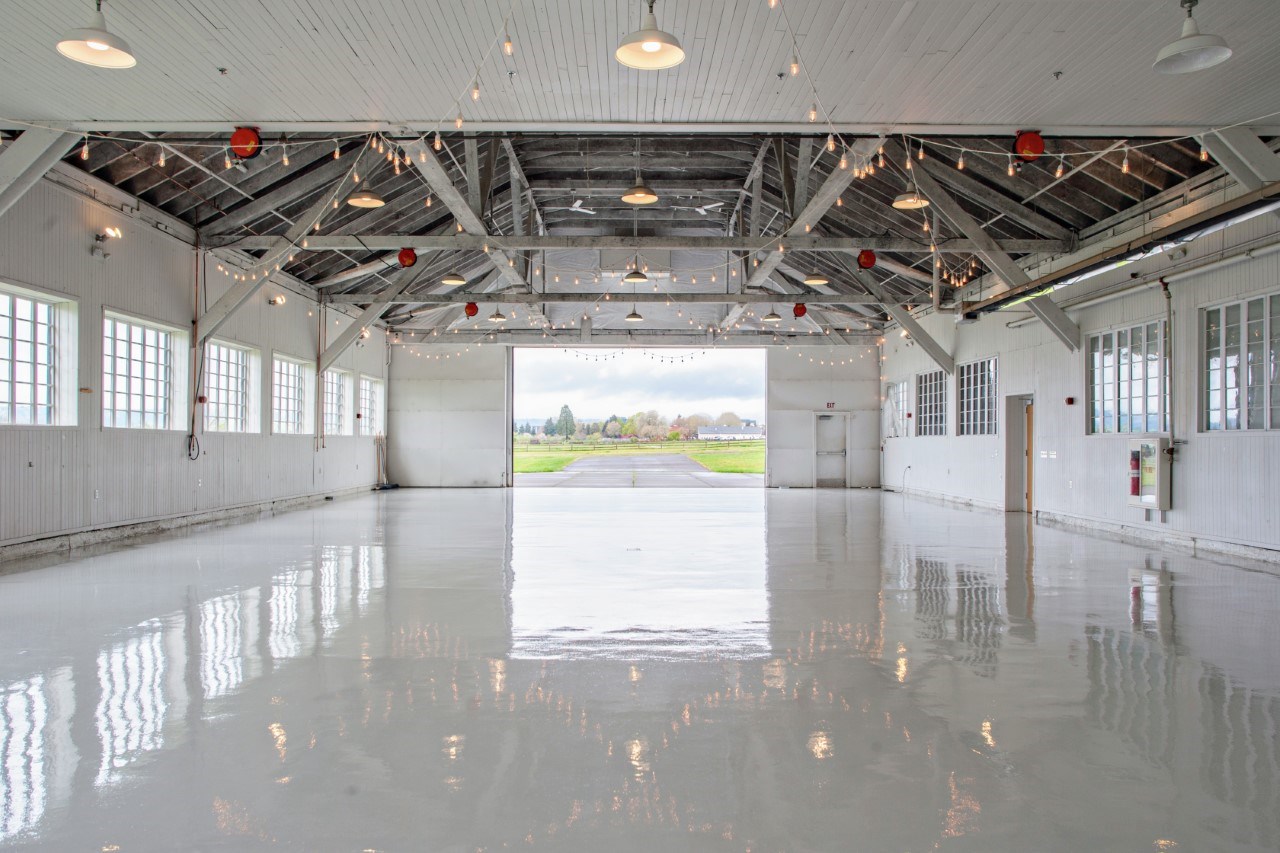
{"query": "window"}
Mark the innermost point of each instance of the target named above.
(28, 360)
(931, 403)
(1241, 370)
(370, 406)
(336, 405)
(1128, 380)
(977, 400)
(895, 401)
(289, 397)
(230, 386)
(140, 374)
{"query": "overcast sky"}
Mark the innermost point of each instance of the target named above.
(709, 381)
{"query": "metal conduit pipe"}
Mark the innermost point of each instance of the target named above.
(1154, 278)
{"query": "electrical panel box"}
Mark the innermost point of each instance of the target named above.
(1149, 470)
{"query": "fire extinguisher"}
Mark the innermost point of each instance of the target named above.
(1135, 473)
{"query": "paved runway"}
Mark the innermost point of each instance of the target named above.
(649, 471)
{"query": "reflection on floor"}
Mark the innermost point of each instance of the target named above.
(593, 669)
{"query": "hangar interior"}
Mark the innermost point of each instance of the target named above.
(260, 261)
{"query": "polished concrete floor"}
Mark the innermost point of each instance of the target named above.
(596, 670)
(651, 471)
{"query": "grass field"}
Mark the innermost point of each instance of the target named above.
(728, 457)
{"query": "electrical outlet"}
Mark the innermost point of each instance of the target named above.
(199, 483)
(96, 494)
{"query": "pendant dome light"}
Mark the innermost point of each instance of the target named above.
(93, 45)
(497, 316)
(634, 316)
(910, 200)
(639, 194)
(365, 198)
(814, 279)
(649, 48)
(771, 317)
(453, 279)
(635, 277)
(1192, 52)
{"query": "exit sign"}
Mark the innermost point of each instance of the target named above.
(831, 405)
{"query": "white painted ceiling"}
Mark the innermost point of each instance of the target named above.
(875, 63)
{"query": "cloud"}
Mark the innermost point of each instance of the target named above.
(596, 383)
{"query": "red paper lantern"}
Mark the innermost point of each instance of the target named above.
(800, 309)
(1028, 145)
(407, 258)
(866, 259)
(472, 309)
(246, 143)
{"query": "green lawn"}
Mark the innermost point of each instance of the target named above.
(738, 457)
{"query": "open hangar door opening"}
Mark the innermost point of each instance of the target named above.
(255, 271)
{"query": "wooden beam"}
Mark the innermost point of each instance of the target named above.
(431, 169)
(371, 313)
(471, 241)
(25, 161)
(239, 293)
(835, 184)
(994, 200)
(509, 297)
(996, 258)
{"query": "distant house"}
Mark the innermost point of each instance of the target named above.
(730, 433)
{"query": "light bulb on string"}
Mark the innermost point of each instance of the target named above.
(813, 113)
(284, 155)
(1204, 153)
(839, 201)
(337, 150)
(831, 143)
(381, 148)
(1057, 173)
(161, 158)
(960, 161)
(475, 91)
(1124, 165)
(1009, 171)
(795, 66)
(457, 122)
(226, 159)
(508, 47)
(437, 143)
(920, 152)
(844, 161)
(84, 149)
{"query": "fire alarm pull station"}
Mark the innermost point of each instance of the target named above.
(1149, 473)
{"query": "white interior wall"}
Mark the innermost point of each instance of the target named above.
(801, 382)
(449, 415)
(68, 479)
(1223, 489)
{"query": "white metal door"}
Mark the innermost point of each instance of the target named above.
(830, 443)
(864, 450)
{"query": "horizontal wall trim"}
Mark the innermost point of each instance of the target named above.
(68, 541)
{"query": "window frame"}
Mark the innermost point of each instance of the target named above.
(978, 397)
(931, 404)
(1269, 386)
(177, 347)
(63, 355)
(896, 396)
(345, 398)
(251, 421)
(305, 395)
(1114, 379)
(364, 428)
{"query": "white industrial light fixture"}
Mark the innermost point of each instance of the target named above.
(649, 48)
(771, 317)
(815, 279)
(910, 200)
(93, 45)
(1192, 52)
(454, 279)
(635, 277)
(365, 198)
(497, 316)
(639, 194)
(634, 316)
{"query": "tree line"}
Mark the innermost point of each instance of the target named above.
(645, 426)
